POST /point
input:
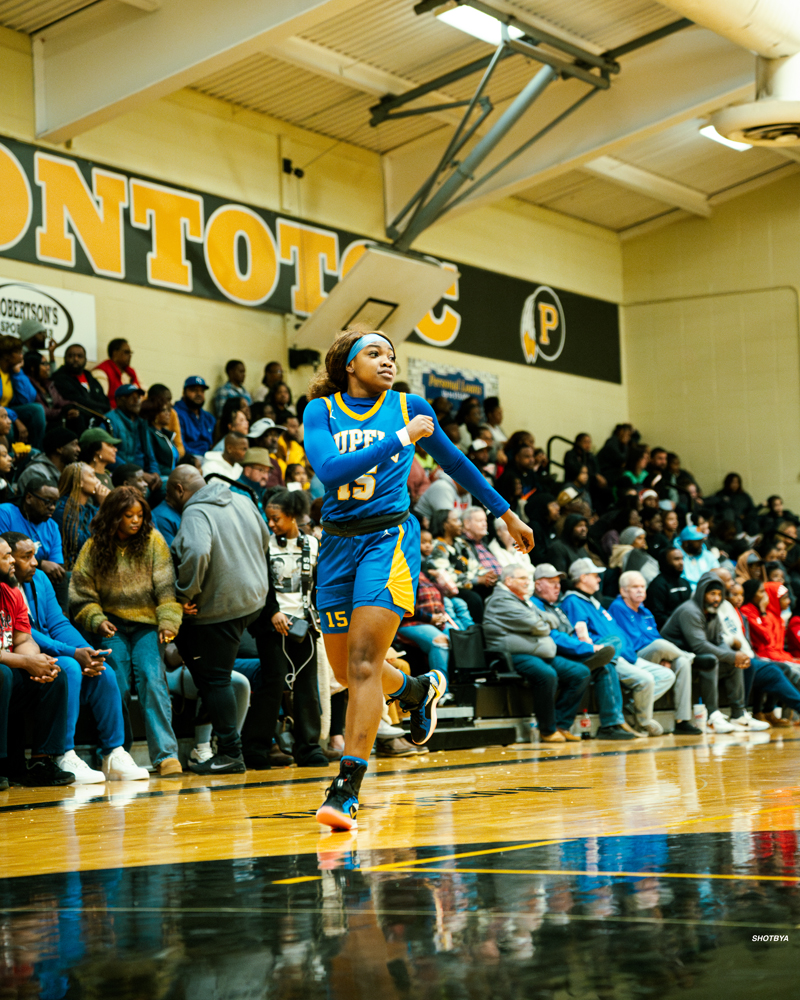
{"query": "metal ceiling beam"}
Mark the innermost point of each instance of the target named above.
(645, 182)
(686, 75)
(110, 58)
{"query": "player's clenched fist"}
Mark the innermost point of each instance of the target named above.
(420, 427)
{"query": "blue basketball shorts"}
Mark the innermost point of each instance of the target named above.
(380, 569)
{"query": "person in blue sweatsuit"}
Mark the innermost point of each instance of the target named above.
(596, 656)
(89, 682)
(647, 681)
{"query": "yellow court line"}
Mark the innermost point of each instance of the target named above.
(300, 878)
(393, 866)
(595, 874)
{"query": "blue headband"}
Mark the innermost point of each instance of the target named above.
(365, 341)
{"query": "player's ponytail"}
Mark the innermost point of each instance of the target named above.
(333, 377)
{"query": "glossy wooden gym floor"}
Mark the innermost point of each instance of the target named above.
(599, 869)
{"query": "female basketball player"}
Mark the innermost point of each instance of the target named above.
(360, 438)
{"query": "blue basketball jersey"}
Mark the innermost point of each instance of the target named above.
(383, 489)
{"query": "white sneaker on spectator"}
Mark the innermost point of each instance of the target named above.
(717, 723)
(84, 775)
(387, 732)
(746, 723)
(652, 728)
(202, 752)
(120, 766)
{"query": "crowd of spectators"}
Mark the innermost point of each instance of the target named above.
(153, 549)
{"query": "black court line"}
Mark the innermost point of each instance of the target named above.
(475, 765)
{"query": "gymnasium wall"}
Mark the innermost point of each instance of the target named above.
(199, 142)
(712, 342)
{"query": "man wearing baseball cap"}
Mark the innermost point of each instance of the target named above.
(197, 424)
(515, 626)
(697, 557)
(594, 655)
(646, 683)
(135, 447)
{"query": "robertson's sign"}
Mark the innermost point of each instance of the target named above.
(72, 214)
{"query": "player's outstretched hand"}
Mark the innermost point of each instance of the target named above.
(519, 531)
(420, 427)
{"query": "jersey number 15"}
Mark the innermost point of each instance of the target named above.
(362, 489)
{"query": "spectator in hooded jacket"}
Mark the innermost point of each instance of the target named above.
(572, 544)
(762, 607)
(156, 413)
(60, 448)
(696, 627)
(670, 588)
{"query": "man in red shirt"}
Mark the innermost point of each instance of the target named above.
(116, 371)
(30, 682)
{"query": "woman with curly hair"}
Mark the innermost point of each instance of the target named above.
(79, 494)
(123, 590)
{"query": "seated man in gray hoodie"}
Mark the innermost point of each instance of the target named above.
(512, 624)
(696, 627)
(220, 553)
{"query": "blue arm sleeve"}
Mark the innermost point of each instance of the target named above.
(454, 462)
(333, 469)
(51, 646)
(56, 553)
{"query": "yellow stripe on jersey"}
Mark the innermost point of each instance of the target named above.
(404, 406)
(360, 416)
(400, 585)
(328, 404)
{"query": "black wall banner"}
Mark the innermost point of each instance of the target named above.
(72, 214)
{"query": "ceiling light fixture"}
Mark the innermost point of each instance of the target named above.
(711, 133)
(479, 25)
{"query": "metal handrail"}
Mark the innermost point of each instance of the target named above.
(557, 437)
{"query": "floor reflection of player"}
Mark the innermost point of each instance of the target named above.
(360, 437)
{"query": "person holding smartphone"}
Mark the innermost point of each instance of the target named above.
(89, 682)
(286, 634)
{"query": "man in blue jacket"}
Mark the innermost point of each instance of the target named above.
(647, 681)
(637, 624)
(88, 680)
(135, 446)
(596, 656)
(197, 424)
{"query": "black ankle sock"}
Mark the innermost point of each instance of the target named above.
(414, 693)
(353, 769)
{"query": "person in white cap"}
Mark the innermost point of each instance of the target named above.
(647, 681)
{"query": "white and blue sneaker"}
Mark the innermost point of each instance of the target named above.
(339, 811)
(423, 712)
